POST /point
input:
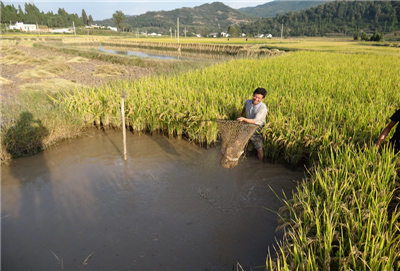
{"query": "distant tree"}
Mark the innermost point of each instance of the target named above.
(90, 19)
(376, 37)
(333, 17)
(204, 32)
(234, 30)
(127, 27)
(364, 36)
(8, 13)
(85, 19)
(62, 18)
(118, 18)
(32, 14)
(20, 14)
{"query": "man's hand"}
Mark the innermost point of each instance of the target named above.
(250, 121)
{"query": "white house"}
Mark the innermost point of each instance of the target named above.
(23, 27)
(269, 36)
(225, 35)
(112, 28)
(61, 30)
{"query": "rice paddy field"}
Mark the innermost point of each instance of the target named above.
(326, 110)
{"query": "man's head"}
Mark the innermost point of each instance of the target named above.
(258, 95)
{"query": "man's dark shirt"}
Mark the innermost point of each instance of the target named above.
(395, 140)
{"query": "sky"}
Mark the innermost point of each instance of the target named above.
(104, 9)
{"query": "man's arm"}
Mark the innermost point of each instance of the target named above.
(259, 118)
(243, 118)
(385, 132)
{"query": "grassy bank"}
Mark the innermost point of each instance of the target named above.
(326, 110)
(30, 123)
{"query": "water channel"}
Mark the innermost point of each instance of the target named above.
(170, 206)
(141, 54)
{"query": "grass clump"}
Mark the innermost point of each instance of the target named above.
(78, 59)
(48, 70)
(109, 70)
(31, 122)
(34, 73)
(14, 59)
(51, 86)
(4, 81)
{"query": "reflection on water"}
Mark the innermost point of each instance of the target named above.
(171, 206)
(138, 54)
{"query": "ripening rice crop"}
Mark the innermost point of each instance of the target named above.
(317, 101)
(325, 109)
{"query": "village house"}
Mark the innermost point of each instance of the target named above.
(23, 27)
(61, 31)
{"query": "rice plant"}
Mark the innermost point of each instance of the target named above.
(317, 101)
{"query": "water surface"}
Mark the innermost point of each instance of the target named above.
(171, 206)
(138, 54)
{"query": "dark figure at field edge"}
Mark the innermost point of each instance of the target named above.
(395, 140)
(256, 111)
(26, 136)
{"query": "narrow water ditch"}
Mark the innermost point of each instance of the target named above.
(138, 53)
(171, 206)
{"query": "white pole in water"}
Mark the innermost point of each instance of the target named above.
(123, 122)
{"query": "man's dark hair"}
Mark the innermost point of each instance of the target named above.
(261, 91)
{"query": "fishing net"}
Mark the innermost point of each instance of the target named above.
(234, 137)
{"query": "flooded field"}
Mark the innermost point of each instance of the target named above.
(138, 53)
(160, 54)
(170, 206)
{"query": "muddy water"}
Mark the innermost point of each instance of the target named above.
(171, 206)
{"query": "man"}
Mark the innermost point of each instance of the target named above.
(256, 111)
(395, 140)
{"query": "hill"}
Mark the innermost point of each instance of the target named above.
(204, 19)
(345, 17)
(273, 8)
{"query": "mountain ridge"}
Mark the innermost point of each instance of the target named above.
(206, 18)
(273, 8)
